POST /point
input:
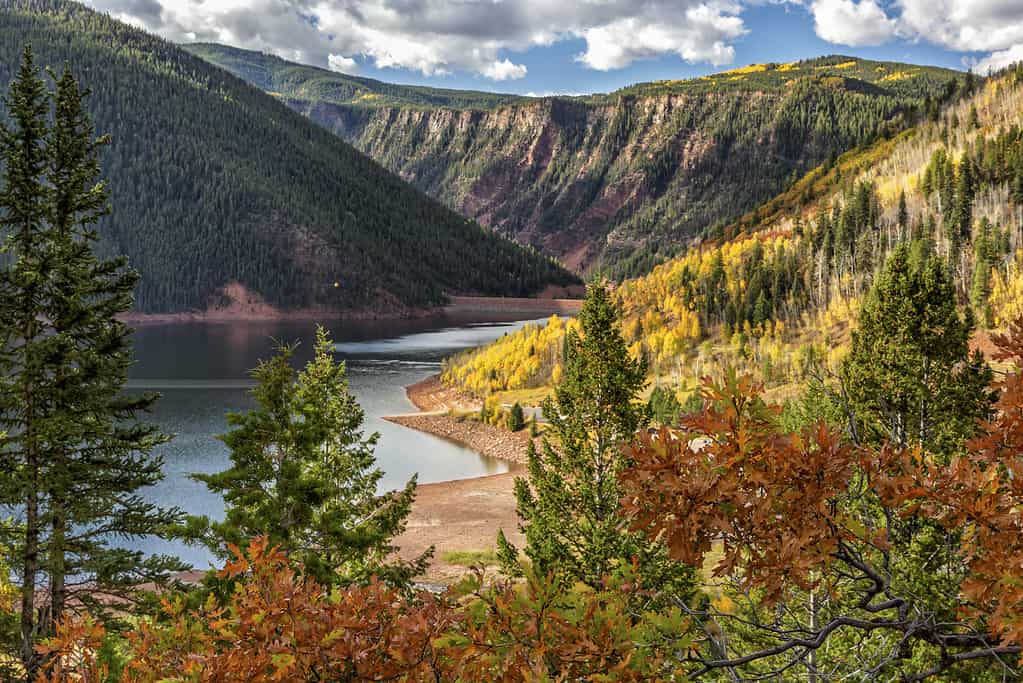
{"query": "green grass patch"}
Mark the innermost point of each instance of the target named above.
(470, 558)
(525, 397)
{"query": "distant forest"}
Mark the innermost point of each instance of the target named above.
(213, 181)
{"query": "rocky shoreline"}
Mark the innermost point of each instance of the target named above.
(485, 439)
(435, 399)
(246, 306)
(465, 514)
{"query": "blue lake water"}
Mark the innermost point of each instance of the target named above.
(201, 370)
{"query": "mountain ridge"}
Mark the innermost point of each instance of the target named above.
(619, 182)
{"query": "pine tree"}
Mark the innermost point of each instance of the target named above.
(303, 475)
(75, 454)
(516, 418)
(909, 376)
(962, 211)
(1017, 187)
(663, 406)
(569, 505)
(984, 245)
(903, 211)
(106, 456)
(23, 200)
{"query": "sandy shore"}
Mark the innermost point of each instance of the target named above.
(463, 515)
(539, 306)
(431, 396)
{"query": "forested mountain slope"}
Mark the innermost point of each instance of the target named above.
(215, 183)
(619, 181)
(778, 298)
(300, 81)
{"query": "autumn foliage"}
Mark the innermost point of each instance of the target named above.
(279, 625)
(733, 478)
(809, 513)
(815, 537)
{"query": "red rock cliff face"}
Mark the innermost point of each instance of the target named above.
(617, 182)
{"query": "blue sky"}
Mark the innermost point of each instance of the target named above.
(777, 33)
(583, 46)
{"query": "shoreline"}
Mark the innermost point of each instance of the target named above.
(257, 311)
(483, 304)
(270, 314)
(487, 440)
(434, 400)
(462, 515)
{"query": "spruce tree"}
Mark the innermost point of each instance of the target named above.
(910, 375)
(516, 418)
(26, 268)
(984, 245)
(303, 475)
(74, 455)
(664, 407)
(902, 216)
(102, 453)
(962, 211)
(1016, 191)
(569, 505)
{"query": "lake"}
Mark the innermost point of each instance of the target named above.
(201, 371)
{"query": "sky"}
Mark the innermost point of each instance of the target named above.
(543, 47)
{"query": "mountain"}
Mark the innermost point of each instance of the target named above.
(618, 181)
(779, 297)
(301, 82)
(221, 192)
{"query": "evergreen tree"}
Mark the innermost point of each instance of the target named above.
(303, 475)
(22, 198)
(984, 245)
(910, 376)
(962, 211)
(569, 505)
(664, 407)
(516, 418)
(1016, 191)
(903, 211)
(74, 454)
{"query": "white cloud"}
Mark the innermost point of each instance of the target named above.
(970, 25)
(999, 60)
(441, 36)
(852, 22)
(342, 64)
(701, 37)
(992, 26)
(504, 70)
